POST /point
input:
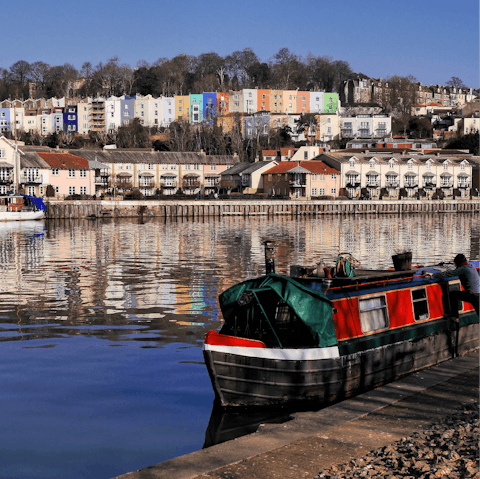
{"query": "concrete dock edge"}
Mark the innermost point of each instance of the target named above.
(336, 421)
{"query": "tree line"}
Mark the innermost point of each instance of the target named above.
(180, 75)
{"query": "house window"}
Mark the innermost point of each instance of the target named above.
(352, 163)
(410, 166)
(173, 167)
(213, 167)
(3, 153)
(83, 190)
(445, 166)
(57, 189)
(420, 304)
(314, 191)
(429, 166)
(83, 173)
(462, 166)
(322, 191)
(128, 166)
(71, 173)
(372, 164)
(187, 167)
(150, 166)
(334, 176)
(373, 314)
(71, 190)
(314, 177)
(333, 191)
(196, 167)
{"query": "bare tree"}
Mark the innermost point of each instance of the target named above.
(286, 66)
(20, 74)
(455, 82)
(39, 75)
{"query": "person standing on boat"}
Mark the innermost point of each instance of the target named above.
(467, 273)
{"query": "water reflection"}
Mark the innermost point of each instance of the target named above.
(102, 322)
(159, 280)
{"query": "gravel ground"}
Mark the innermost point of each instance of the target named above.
(449, 449)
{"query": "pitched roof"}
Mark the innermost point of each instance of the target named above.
(313, 166)
(236, 169)
(64, 161)
(144, 156)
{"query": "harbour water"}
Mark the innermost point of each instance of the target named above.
(102, 323)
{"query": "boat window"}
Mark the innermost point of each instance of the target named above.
(420, 304)
(373, 314)
(282, 314)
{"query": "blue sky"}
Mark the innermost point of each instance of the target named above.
(431, 40)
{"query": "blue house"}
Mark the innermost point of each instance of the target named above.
(127, 109)
(257, 124)
(70, 119)
(4, 120)
(209, 107)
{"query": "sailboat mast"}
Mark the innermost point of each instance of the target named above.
(16, 170)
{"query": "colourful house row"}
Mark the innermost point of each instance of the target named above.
(81, 116)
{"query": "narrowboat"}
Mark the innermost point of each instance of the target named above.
(326, 334)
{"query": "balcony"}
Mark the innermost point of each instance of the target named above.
(364, 133)
(146, 184)
(411, 185)
(296, 184)
(6, 180)
(30, 179)
(191, 183)
(446, 185)
(168, 184)
(102, 180)
(392, 184)
(373, 184)
(429, 185)
(464, 186)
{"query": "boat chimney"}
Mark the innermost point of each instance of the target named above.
(269, 257)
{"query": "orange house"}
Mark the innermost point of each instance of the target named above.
(222, 103)
(303, 102)
(263, 100)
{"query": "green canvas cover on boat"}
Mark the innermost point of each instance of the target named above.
(312, 307)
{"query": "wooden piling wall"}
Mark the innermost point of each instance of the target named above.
(174, 209)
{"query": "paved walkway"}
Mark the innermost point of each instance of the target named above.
(313, 441)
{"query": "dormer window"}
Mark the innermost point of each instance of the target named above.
(462, 166)
(410, 166)
(372, 163)
(352, 163)
(429, 165)
(445, 166)
(391, 164)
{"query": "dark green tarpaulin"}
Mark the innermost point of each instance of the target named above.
(312, 307)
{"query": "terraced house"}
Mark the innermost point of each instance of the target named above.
(394, 176)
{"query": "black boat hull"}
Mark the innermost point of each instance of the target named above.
(242, 380)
